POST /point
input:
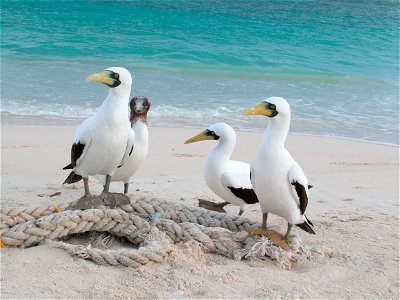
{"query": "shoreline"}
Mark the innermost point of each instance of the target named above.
(13, 119)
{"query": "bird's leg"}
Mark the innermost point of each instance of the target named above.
(289, 227)
(86, 184)
(126, 188)
(241, 211)
(112, 199)
(87, 201)
(262, 230)
(107, 184)
(264, 221)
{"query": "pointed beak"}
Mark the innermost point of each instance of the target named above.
(103, 77)
(260, 109)
(203, 136)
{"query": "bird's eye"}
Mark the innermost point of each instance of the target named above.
(272, 106)
(212, 133)
(116, 75)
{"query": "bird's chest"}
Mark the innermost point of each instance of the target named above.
(111, 135)
(271, 175)
(107, 147)
(212, 172)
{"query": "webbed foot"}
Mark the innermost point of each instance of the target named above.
(276, 238)
(88, 202)
(114, 199)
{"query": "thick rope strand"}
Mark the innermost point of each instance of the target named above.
(145, 208)
(139, 222)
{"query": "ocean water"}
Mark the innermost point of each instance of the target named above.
(200, 62)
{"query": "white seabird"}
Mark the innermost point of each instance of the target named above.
(277, 179)
(139, 106)
(228, 179)
(104, 141)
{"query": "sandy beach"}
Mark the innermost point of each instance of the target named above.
(354, 207)
(335, 63)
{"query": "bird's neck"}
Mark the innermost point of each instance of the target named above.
(120, 91)
(222, 152)
(116, 103)
(141, 132)
(135, 117)
(276, 133)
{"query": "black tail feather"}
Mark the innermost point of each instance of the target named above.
(212, 205)
(222, 204)
(308, 221)
(306, 227)
(68, 167)
(72, 178)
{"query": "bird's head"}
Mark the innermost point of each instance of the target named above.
(113, 77)
(139, 105)
(273, 107)
(218, 131)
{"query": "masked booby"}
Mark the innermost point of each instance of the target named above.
(103, 142)
(278, 180)
(228, 179)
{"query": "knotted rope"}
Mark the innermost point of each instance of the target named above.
(154, 226)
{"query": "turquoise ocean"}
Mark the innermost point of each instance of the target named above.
(204, 61)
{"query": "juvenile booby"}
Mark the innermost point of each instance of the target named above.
(278, 181)
(139, 106)
(228, 179)
(103, 142)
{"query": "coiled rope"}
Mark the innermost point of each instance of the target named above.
(152, 225)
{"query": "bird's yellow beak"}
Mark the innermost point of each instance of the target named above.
(262, 109)
(103, 77)
(203, 136)
(257, 110)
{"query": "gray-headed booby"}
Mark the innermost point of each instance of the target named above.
(227, 178)
(277, 179)
(103, 142)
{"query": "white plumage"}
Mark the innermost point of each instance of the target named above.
(102, 142)
(277, 179)
(138, 118)
(228, 179)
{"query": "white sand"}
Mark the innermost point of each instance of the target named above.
(354, 206)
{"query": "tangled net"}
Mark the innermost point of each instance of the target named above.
(153, 226)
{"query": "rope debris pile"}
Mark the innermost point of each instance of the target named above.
(154, 226)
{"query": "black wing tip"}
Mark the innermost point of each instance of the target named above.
(68, 167)
(309, 186)
(72, 178)
(306, 227)
(248, 195)
(302, 194)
